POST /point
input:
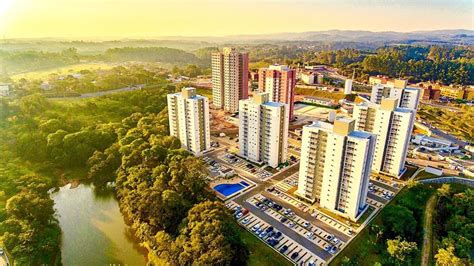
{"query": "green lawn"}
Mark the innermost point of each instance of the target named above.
(260, 253)
(424, 175)
(364, 249)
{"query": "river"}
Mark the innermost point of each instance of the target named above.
(93, 229)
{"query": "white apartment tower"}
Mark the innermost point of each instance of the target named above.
(188, 115)
(393, 126)
(229, 78)
(335, 166)
(407, 97)
(263, 130)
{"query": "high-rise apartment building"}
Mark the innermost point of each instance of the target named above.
(189, 120)
(335, 166)
(407, 97)
(279, 81)
(393, 126)
(263, 130)
(229, 78)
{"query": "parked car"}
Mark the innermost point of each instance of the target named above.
(245, 221)
(283, 249)
(277, 235)
(255, 227)
(333, 250)
(294, 255)
(284, 219)
(306, 224)
(269, 229)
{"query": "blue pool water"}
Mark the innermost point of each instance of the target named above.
(229, 189)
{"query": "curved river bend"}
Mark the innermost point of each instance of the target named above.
(93, 229)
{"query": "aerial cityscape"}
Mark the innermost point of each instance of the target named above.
(236, 133)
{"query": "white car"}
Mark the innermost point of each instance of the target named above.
(255, 227)
(309, 234)
(245, 221)
(335, 241)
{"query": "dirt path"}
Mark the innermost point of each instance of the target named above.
(428, 231)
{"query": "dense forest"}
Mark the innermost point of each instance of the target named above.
(446, 64)
(454, 226)
(122, 138)
(436, 63)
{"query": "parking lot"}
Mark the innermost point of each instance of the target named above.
(303, 233)
(278, 240)
(246, 166)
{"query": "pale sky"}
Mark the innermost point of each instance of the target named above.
(153, 18)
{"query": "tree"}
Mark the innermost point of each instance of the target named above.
(398, 221)
(400, 249)
(446, 257)
(210, 237)
(444, 190)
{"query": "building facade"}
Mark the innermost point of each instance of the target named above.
(188, 115)
(393, 126)
(407, 97)
(263, 130)
(229, 78)
(335, 166)
(279, 81)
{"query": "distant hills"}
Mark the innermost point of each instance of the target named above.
(330, 39)
(460, 36)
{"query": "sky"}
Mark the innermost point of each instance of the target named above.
(155, 18)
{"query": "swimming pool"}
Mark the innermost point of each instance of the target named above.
(229, 189)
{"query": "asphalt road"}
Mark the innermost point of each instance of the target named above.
(383, 185)
(448, 137)
(377, 198)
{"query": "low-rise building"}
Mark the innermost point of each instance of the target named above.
(452, 92)
(321, 101)
(433, 144)
(308, 78)
(5, 89)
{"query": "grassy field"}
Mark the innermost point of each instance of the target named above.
(41, 74)
(364, 249)
(424, 175)
(458, 123)
(427, 247)
(260, 253)
(318, 93)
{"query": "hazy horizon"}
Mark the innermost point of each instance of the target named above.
(211, 18)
